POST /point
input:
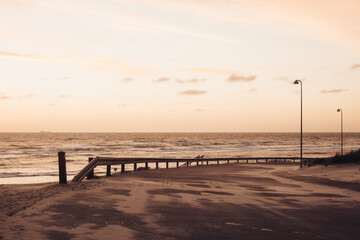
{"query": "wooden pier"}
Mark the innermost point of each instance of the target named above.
(88, 170)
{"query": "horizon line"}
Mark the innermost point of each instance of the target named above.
(44, 132)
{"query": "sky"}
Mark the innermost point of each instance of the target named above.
(179, 66)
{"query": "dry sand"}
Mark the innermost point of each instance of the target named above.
(241, 201)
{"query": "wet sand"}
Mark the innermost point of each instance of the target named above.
(207, 202)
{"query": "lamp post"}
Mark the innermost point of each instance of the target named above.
(342, 136)
(301, 137)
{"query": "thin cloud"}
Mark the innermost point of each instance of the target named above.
(333, 91)
(64, 96)
(63, 78)
(240, 78)
(4, 97)
(18, 56)
(127, 80)
(207, 70)
(355, 66)
(115, 67)
(27, 96)
(282, 78)
(192, 92)
(252, 90)
(52, 105)
(199, 110)
(162, 79)
(194, 80)
(18, 3)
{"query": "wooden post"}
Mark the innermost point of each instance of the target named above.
(218, 162)
(257, 160)
(157, 165)
(91, 174)
(275, 160)
(146, 165)
(285, 160)
(247, 160)
(207, 163)
(123, 167)
(237, 161)
(187, 164)
(62, 168)
(135, 166)
(167, 164)
(177, 164)
(197, 163)
(108, 170)
(265, 160)
(228, 161)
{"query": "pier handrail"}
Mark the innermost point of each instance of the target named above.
(128, 160)
(86, 170)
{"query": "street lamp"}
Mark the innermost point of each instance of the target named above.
(301, 137)
(342, 136)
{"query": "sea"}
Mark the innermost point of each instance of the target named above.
(32, 157)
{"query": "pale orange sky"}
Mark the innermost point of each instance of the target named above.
(134, 66)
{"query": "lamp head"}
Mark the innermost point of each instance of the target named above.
(296, 81)
(339, 110)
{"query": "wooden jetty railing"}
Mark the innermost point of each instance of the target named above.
(88, 170)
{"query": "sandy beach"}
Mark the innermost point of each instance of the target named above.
(234, 201)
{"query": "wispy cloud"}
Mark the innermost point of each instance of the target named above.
(207, 70)
(17, 3)
(63, 78)
(194, 80)
(333, 91)
(355, 66)
(64, 96)
(199, 110)
(52, 105)
(112, 66)
(240, 78)
(18, 56)
(282, 78)
(252, 90)
(192, 92)
(27, 96)
(4, 97)
(127, 80)
(162, 79)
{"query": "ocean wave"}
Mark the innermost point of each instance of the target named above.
(38, 150)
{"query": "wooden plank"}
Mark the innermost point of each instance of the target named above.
(85, 171)
(62, 168)
(108, 170)
(91, 174)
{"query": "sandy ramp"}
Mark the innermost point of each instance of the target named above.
(206, 202)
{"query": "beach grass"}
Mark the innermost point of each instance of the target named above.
(351, 157)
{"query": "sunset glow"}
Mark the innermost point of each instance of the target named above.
(179, 66)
